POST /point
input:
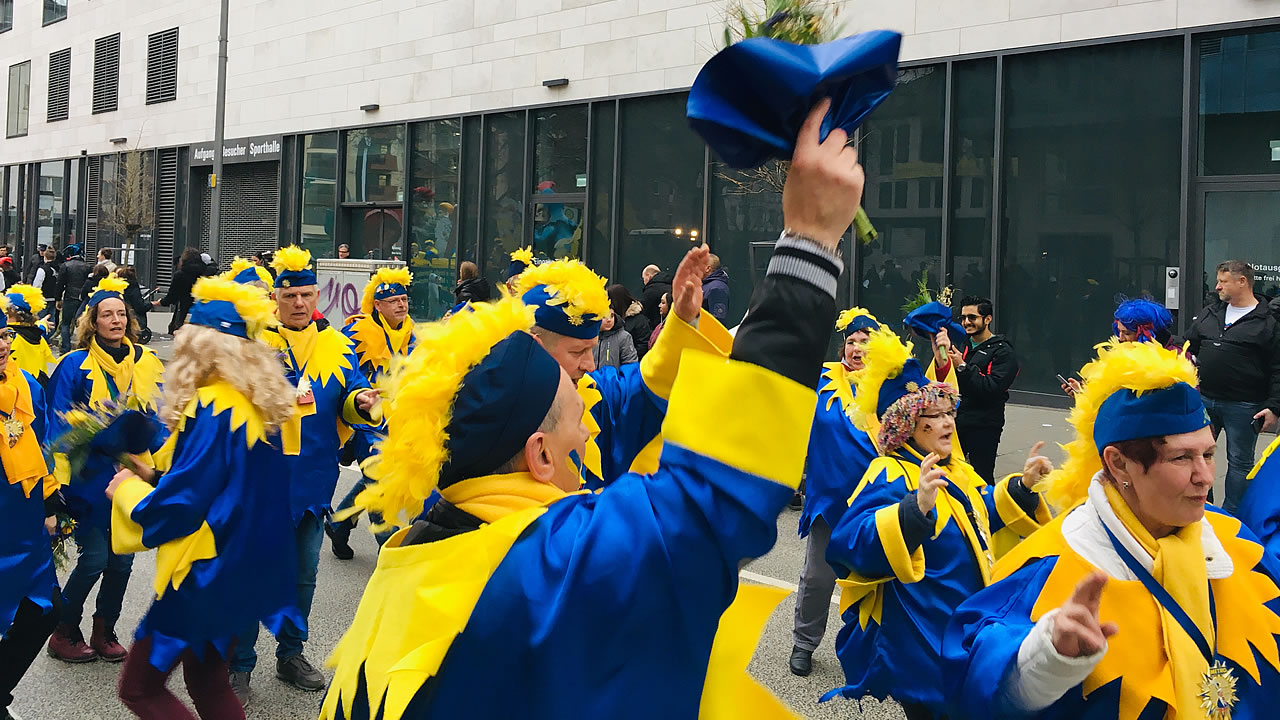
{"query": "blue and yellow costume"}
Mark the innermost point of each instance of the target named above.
(1000, 659)
(624, 406)
(1260, 509)
(222, 500)
(245, 271)
(904, 572)
(585, 604)
(30, 346)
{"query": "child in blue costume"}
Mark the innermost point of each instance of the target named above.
(332, 396)
(222, 500)
(106, 367)
(838, 455)
(1141, 601)
(382, 334)
(29, 498)
(920, 534)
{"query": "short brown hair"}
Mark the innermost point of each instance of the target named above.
(1237, 267)
(1140, 450)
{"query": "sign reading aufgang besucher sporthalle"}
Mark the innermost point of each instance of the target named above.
(254, 149)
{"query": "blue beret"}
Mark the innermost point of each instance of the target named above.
(750, 100)
(1127, 415)
(929, 318)
(220, 315)
(555, 319)
(101, 295)
(862, 323)
(295, 278)
(515, 268)
(20, 302)
(911, 379)
(501, 402)
(389, 290)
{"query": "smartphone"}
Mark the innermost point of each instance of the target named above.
(1258, 423)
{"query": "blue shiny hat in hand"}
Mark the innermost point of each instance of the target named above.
(929, 318)
(750, 99)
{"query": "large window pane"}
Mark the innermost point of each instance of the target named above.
(6, 15)
(1091, 196)
(746, 218)
(19, 99)
(469, 222)
(902, 154)
(1240, 104)
(375, 165)
(433, 234)
(69, 235)
(560, 149)
(973, 103)
(660, 185)
(54, 10)
(504, 192)
(1243, 225)
(599, 235)
(49, 228)
(9, 202)
(319, 185)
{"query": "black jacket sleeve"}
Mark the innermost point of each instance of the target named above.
(1273, 398)
(1004, 370)
(792, 312)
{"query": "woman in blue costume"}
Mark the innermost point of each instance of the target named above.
(106, 366)
(29, 596)
(224, 497)
(920, 534)
(838, 455)
(1141, 602)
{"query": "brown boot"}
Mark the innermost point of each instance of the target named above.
(67, 644)
(105, 643)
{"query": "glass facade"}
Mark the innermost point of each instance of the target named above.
(604, 125)
(1243, 225)
(19, 107)
(50, 229)
(502, 227)
(375, 165)
(434, 199)
(560, 149)
(973, 97)
(6, 15)
(319, 192)
(54, 10)
(1091, 200)
(1240, 104)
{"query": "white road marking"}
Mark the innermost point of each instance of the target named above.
(775, 582)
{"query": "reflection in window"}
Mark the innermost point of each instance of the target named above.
(467, 216)
(19, 100)
(13, 218)
(375, 165)
(504, 193)
(319, 183)
(54, 10)
(49, 205)
(902, 147)
(660, 190)
(560, 150)
(1240, 104)
(599, 232)
(1243, 225)
(6, 15)
(1091, 204)
(557, 230)
(973, 148)
(70, 234)
(433, 204)
(746, 217)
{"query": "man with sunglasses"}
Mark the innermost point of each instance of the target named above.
(984, 371)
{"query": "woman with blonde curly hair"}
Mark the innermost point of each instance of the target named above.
(223, 498)
(106, 367)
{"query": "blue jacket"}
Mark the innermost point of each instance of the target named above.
(26, 561)
(715, 294)
(839, 453)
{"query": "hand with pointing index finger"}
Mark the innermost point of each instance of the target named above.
(1036, 467)
(1076, 629)
(824, 185)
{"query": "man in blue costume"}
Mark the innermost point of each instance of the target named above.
(591, 604)
(330, 391)
(838, 455)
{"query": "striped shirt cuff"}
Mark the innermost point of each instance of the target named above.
(803, 259)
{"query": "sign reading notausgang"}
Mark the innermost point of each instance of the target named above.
(254, 149)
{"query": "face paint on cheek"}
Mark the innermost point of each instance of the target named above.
(928, 427)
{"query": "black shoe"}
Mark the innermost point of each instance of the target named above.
(797, 502)
(240, 686)
(801, 662)
(339, 541)
(299, 673)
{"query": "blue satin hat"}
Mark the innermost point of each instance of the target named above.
(929, 318)
(910, 380)
(549, 316)
(750, 100)
(221, 315)
(502, 401)
(1128, 415)
(861, 323)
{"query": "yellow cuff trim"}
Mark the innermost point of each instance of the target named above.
(763, 422)
(61, 469)
(907, 567)
(659, 366)
(352, 416)
(126, 535)
(868, 593)
(1015, 519)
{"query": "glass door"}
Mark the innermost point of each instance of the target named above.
(1240, 222)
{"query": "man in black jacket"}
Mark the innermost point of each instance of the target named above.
(984, 370)
(74, 275)
(1236, 343)
(657, 282)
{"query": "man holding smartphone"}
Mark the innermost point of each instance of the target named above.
(984, 372)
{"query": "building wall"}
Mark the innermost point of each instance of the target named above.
(298, 65)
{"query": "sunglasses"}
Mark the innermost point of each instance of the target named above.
(974, 318)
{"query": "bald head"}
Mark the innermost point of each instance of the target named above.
(648, 272)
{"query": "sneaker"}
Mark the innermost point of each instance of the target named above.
(240, 686)
(339, 541)
(801, 662)
(299, 673)
(797, 502)
(67, 644)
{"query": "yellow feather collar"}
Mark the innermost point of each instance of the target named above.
(322, 354)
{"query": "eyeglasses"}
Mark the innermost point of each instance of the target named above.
(971, 317)
(938, 416)
(8, 334)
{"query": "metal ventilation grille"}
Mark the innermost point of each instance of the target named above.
(59, 85)
(106, 74)
(162, 66)
(93, 204)
(1210, 46)
(250, 210)
(166, 215)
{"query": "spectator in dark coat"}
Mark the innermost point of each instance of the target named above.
(471, 286)
(190, 268)
(657, 282)
(45, 278)
(133, 298)
(616, 347)
(74, 275)
(634, 321)
(715, 289)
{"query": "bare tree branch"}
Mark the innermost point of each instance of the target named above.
(134, 209)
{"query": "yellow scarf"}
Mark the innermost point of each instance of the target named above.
(23, 463)
(493, 497)
(1179, 566)
(961, 475)
(121, 372)
(301, 342)
(399, 338)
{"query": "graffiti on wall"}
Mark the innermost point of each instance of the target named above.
(339, 299)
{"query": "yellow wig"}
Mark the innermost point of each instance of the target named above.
(252, 304)
(569, 283)
(524, 255)
(884, 358)
(239, 265)
(1136, 366)
(291, 259)
(848, 316)
(29, 293)
(384, 276)
(422, 390)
